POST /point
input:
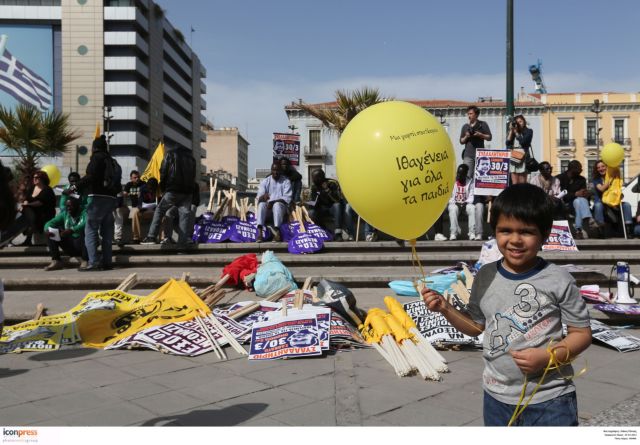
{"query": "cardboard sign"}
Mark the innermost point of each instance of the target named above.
(617, 339)
(323, 316)
(246, 232)
(286, 145)
(492, 172)
(560, 238)
(183, 338)
(342, 333)
(291, 336)
(621, 309)
(435, 328)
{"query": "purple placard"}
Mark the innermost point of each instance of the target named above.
(214, 232)
(251, 217)
(625, 309)
(318, 232)
(229, 220)
(289, 230)
(305, 243)
(246, 232)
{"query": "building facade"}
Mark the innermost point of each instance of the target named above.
(318, 145)
(578, 125)
(227, 150)
(123, 64)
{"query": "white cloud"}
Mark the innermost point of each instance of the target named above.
(257, 107)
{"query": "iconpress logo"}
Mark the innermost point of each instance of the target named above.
(21, 435)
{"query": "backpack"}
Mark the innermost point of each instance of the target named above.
(112, 176)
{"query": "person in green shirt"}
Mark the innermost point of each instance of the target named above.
(69, 225)
(72, 190)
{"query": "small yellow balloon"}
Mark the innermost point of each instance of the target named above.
(396, 167)
(54, 174)
(612, 154)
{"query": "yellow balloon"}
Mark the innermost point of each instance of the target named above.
(612, 154)
(396, 167)
(53, 172)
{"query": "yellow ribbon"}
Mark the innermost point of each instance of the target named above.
(553, 364)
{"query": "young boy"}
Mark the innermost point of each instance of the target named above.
(520, 303)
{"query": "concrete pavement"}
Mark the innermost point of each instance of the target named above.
(88, 387)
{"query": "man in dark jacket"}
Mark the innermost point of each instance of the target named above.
(103, 184)
(576, 199)
(177, 173)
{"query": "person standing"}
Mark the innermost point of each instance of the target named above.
(103, 179)
(274, 197)
(177, 172)
(70, 224)
(462, 198)
(519, 131)
(472, 136)
(131, 191)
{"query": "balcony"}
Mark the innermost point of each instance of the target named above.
(126, 89)
(565, 142)
(126, 64)
(316, 153)
(593, 142)
(622, 141)
(126, 13)
(126, 38)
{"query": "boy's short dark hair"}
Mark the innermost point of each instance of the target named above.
(526, 202)
(474, 109)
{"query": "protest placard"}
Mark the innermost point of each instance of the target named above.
(617, 339)
(323, 316)
(435, 328)
(290, 336)
(560, 238)
(286, 145)
(492, 172)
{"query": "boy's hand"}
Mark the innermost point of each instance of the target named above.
(531, 360)
(434, 301)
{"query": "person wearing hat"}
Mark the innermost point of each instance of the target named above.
(103, 181)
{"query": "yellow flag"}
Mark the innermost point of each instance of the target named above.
(103, 318)
(153, 167)
(97, 135)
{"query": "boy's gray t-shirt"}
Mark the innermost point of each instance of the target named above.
(523, 311)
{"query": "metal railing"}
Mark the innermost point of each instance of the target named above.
(566, 142)
(593, 142)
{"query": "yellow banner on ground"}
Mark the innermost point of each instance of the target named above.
(106, 317)
(45, 334)
(153, 167)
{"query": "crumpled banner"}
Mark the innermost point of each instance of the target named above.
(45, 334)
(106, 317)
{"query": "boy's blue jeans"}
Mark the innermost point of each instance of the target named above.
(561, 411)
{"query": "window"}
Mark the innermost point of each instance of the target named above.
(618, 131)
(591, 132)
(314, 141)
(310, 169)
(564, 165)
(564, 134)
(590, 164)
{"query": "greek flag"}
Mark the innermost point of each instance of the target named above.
(24, 84)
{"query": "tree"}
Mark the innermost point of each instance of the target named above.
(348, 105)
(32, 135)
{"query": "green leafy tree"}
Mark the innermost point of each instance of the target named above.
(348, 105)
(31, 134)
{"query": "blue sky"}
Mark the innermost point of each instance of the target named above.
(262, 55)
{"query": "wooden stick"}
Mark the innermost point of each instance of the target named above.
(248, 280)
(358, 229)
(214, 344)
(307, 283)
(489, 212)
(306, 214)
(222, 281)
(128, 282)
(220, 210)
(185, 276)
(213, 298)
(255, 306)
(40, 310)
(226, 334)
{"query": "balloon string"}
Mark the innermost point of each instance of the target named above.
(554, 364)
(415, 259)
